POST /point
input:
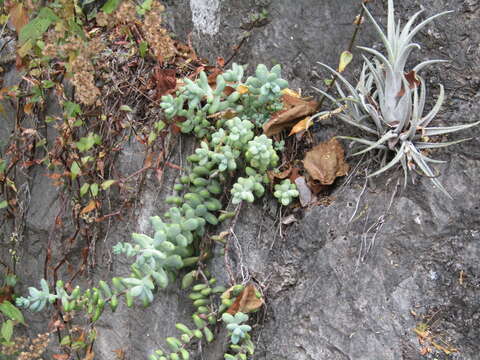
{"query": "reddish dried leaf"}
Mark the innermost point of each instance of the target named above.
(173, 166)
(148, 160)
(412, 79)
(214, 72)
(326, 161)
(166, 81)
(175, 129)
(228, 90)
(295, 174)
(279, 175)
(220, 62)
(92, 205)
(54, 176)
(247, 301)
(60, 356)
(18, 17)
(6, 293)
(28, 108)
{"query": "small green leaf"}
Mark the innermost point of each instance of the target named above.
(94, 189)
(151, 137)
(159, 125)
(66, 340)
(47, 84)
(11, 311)
(7, 330)
(106, 184)
(84, 189)
(3, 204)
(110, 6)
(126, 108)
(74, 170)
(3, 166)
(71, 109)
(35, 29)
(143, 48)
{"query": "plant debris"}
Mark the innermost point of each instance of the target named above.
(326, 161)
(294, 109)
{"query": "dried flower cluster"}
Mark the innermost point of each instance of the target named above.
(24, 350)
(82, 53)
(125, 14)
(157, 36)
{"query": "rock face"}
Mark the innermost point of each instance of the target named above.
(347, 281)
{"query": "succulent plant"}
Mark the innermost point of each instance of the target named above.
(285, 192)
(260, 153)
(237, 330)
(246, 189)
(388, 103)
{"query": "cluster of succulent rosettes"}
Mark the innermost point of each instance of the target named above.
(246, 189)
(253, 100)
(260, 153)
(285, 192)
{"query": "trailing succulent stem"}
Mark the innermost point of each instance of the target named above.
(388, 102)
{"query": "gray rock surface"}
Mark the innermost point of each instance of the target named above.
(348, 281)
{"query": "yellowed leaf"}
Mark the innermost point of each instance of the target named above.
(290, 92)
(345, 59)
(302, 125)
(25, 49)
(242, 89)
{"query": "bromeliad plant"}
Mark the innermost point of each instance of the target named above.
(388, 102)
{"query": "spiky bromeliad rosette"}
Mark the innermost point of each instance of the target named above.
(388, 102)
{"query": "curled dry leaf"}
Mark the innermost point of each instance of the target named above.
(326, 161)
(294, 108)
(247, 301)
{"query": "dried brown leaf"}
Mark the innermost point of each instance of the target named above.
(247, 301)
(294, 108)
(326, 161)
